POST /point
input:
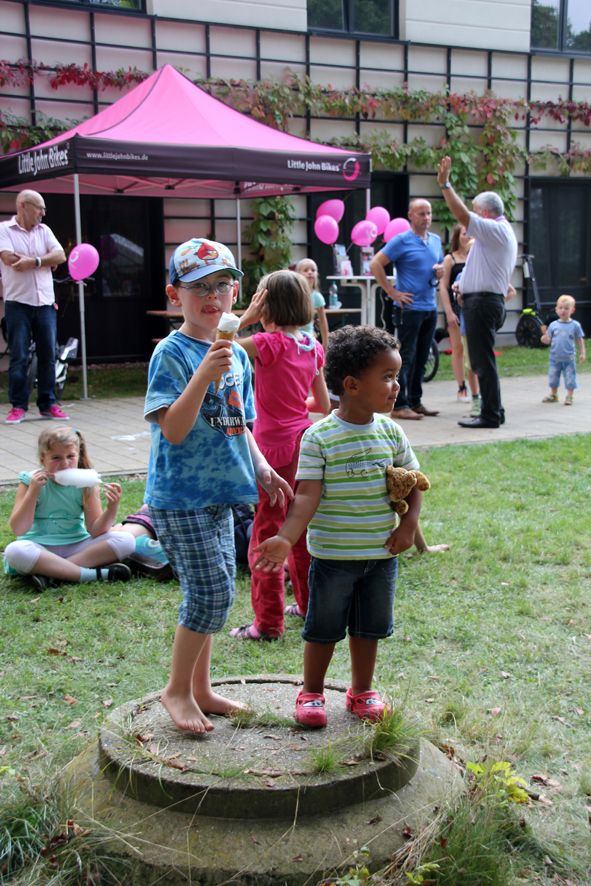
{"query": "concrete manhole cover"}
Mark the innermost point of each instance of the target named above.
(265, 768)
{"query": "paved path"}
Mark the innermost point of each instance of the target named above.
(119, 438)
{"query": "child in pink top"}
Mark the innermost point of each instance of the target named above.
(288, 364)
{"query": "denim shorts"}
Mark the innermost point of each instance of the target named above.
(568, 368)
(200, 547)
(353, 595)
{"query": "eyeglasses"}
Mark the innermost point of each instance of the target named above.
(222, 287)
(36, 205)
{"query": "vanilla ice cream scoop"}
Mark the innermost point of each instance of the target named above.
(227, 329)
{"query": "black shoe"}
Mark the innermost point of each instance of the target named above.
(477, 423)
(117, 572)
(39, 583)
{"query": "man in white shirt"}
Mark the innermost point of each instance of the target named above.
(483, 285)
(29, 251)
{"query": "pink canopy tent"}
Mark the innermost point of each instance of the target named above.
(169, 138)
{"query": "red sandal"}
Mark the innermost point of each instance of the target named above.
(310, 710)
(366, 705)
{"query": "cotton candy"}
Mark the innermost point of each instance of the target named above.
(79, 477)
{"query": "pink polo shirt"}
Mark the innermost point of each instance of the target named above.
(33, 287)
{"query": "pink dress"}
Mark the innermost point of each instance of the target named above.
(285, 369)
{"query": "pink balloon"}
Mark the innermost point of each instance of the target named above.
(334, 208)
(326, 229)
(83, 261)
(364, 233)
(396, 226)
(379, 216)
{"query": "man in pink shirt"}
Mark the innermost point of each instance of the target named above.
(29, 251)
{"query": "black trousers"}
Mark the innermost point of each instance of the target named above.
(484, 314)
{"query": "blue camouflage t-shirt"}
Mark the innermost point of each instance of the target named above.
(212, 465)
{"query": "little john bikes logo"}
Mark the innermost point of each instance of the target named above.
(43, 160)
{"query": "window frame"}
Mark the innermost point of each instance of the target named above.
(348, 31)
(97, 5)
(560, 48)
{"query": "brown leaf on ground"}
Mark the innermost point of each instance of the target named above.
(175, 764)
(408, 833)
(69, 699)
(75, 724)
(448, 750)
(546, 781)
(107, 702)
(375, 820)
(53, 650)
(562, 720)
(494, 712)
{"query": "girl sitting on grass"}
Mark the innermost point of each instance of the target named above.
(62, 531)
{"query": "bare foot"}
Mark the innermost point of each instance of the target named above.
(186, 713)
(433, 549)
(212, 703)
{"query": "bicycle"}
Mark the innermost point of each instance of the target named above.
(531, 325)
(432, 364)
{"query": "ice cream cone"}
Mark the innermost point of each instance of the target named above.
(227, 330)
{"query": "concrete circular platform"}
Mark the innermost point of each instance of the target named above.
(265, 768)
(245, 805)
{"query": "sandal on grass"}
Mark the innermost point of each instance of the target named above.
(366, 705)
(310, 710)
(250, 632)
(294, 609)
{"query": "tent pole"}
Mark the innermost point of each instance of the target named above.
(239, 242)
(81, 306)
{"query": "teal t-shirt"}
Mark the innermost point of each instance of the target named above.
(59, 514)
(317, 302)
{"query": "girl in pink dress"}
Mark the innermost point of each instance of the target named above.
(288, 363)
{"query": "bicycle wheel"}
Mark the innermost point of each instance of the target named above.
(432, 364)
(32, 371)
(528, 331)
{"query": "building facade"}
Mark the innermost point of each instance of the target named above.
(373, 73)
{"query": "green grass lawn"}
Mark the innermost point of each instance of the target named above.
(491, 653)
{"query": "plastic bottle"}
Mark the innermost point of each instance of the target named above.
(333, 295)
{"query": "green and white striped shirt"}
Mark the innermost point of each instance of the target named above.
(354, 517)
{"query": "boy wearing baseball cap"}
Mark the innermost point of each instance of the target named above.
(203, 460)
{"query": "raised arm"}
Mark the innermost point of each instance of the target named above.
(454, 203)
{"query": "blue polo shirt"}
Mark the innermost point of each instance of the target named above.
(414, 258)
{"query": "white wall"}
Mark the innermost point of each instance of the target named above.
(484, 24)
(289, 14)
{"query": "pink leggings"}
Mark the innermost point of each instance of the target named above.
(267, 589)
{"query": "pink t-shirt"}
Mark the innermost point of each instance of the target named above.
(284, 370)
(33, 287)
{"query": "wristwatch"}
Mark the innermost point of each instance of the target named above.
(445, 186)
(37, 262)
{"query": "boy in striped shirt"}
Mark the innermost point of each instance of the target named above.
(354, 536)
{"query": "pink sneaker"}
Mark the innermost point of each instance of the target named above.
(55, 412)
(310, 710)
(365, 705)
(15, 416)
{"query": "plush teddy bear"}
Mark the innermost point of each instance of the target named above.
(400, 482)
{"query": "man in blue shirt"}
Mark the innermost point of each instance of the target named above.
(416, 255)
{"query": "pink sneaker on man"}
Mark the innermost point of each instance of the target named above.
(55, 412)
(15, 416)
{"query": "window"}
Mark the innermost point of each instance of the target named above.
(137, 5)
(371, 17)
(562, 25)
